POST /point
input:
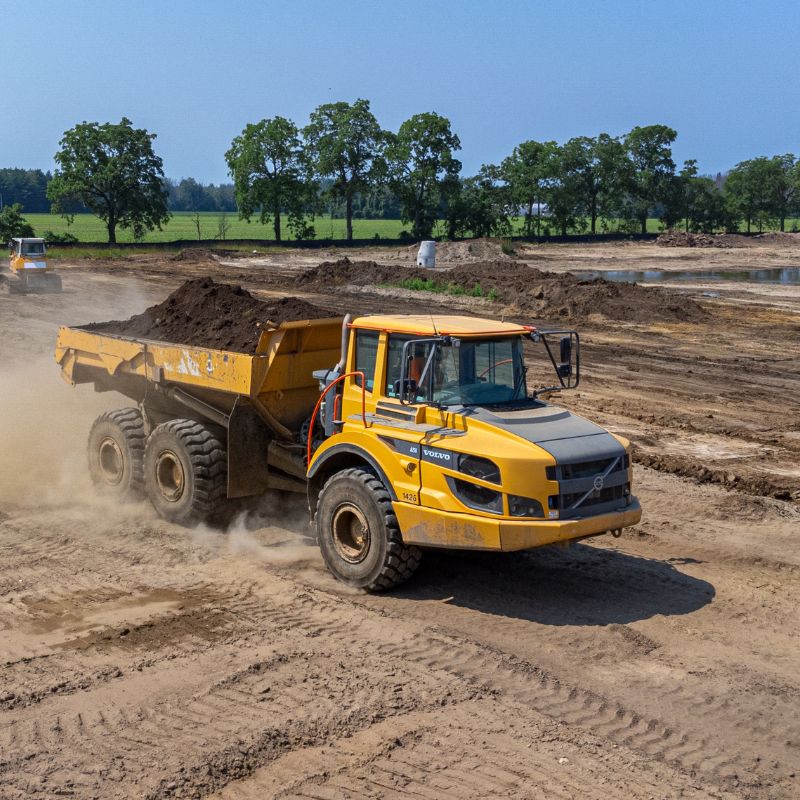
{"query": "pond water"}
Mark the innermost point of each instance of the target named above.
(787, 276)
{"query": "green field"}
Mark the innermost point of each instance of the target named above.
(88, 228)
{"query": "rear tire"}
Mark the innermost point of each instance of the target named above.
(116, 454)
(358, 533)
(186, 471)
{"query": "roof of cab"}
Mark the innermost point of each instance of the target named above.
(27, 239)
(439, 325)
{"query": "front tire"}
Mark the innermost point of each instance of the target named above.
(116, 454)
(186, 471)
(358, 533)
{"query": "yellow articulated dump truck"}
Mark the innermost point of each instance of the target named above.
(404, 431)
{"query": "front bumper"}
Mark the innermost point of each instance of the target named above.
(430, 527)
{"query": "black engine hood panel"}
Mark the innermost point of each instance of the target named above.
(566, 436)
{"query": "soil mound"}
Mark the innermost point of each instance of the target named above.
(545, 295)
(685, 239)
(778, 237)
(195, 255)
(474, 250)
(463, 252)
(221, 316)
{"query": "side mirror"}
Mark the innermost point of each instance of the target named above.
(567, 365)
(565, 357)
(566, 349)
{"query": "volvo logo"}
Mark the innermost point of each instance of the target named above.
(437, 454)
(598, 483)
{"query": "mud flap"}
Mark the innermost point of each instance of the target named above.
(248, 444)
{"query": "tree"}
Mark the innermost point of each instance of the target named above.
(197, 222)
(761, 190)
(706, 209)
(28, 187)
(479, 206)
(598, 173)
(678, 196)
(787, 172)
(564, 188)
(525, 172)
(649, 151)
(192, 196)
(268, 171)
(113, 171)
(345, 144)
(12, 223)
(422, 164)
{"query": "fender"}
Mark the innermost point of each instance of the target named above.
(343, 449)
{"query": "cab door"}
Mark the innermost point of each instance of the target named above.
(394, 425)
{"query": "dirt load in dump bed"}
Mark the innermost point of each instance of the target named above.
(204, 313)
(546, 295)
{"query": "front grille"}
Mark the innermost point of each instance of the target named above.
(595, 498)
(585, 469)
(577, 486)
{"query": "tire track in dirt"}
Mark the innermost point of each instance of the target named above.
(329, 618)
(718, 757)
(197, 731)
(416, 756)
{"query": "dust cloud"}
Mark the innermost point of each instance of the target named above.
(43, 428)
(272, 528)
(44, 423)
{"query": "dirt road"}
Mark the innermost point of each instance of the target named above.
(143, 660)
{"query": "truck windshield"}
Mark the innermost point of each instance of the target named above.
(464, 372)
(33, 248)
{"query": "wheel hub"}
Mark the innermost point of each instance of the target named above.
(170, 476)
(351, 534)
(112, 464)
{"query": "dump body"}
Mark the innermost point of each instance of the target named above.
(262, 400)
(277, 379)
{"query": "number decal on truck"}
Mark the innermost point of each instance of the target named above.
(409, 497)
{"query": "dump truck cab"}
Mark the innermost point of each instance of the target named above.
(440, 411)
(27, 254)
(28, 268)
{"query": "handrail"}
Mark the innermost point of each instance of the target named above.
(322, 397)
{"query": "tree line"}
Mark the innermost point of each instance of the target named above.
(28, 188)
(344, 163)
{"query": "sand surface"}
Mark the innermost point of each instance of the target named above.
(139, 659)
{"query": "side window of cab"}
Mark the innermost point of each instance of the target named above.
(366, 356)
(417, 355)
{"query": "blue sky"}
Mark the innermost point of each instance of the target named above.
(724, 74)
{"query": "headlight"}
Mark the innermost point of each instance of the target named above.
(524, 507)
(480, 498)
(479, 467)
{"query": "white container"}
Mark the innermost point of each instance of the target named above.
(426, 257)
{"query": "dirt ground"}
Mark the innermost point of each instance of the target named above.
(143, 660)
